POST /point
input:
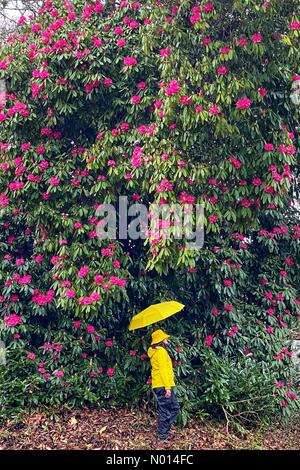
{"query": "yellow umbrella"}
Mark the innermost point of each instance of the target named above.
(154, 313)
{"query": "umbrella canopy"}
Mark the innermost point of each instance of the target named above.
(154, 313)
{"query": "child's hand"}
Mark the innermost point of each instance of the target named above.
(168, 394)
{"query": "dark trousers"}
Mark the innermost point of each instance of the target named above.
(168, 409)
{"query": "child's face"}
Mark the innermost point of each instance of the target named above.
(165, 341)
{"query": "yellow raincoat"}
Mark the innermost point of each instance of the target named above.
(162, 370)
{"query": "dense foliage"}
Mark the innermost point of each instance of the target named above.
(165, 103)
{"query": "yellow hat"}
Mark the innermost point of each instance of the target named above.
(158, 336)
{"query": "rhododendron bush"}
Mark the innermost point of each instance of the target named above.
(165, 103)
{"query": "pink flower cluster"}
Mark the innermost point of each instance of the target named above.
(232, 331)
(16, 185)
(196, 15)
(284, 354)
(83, 272)
(173, 88)
(130, 61)
(52, 347)
(138, 157)
(93, 298)
(4, 201)
(43, 74)
(116, 281)
(12, 320)
(165, 185)
(243, 103)
(186, 198)
(88, 11)
(40, 298)
(235, 162)
(22, 280)
(91, 85)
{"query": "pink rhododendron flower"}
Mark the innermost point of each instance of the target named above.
(262, 91)
(54, 181)
(284, 404)
(206, 41)
(12, 320)
(295, 25)
(16, 185)
(83, 272)
(186, 198)
(229, 308)
(186, 100)
(97, 42)
(165, 52)
(235, 162)
(70, 294)
(289, 261)
(225, 50)
(22, 280)
(195, 17)
(107, 252)
(222, 70)
(107, 82)
(4, 201)
(129, 61)
(290, 395)
(214, 110)
(243, 103)
(41, 298)
(59, 373)
(135, 99)
(31, 356)
(110, 372)
(165, 185)
(208, 7)
(95, 296)
(98, 279)
(242, 42)
(279, 384)
(209, 340)
(256, 38)
(114, 280)
(121, 42)
(198, 109)
(173, 88)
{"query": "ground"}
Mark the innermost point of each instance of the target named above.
(127, 430)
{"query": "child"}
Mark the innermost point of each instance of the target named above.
(163, 383)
